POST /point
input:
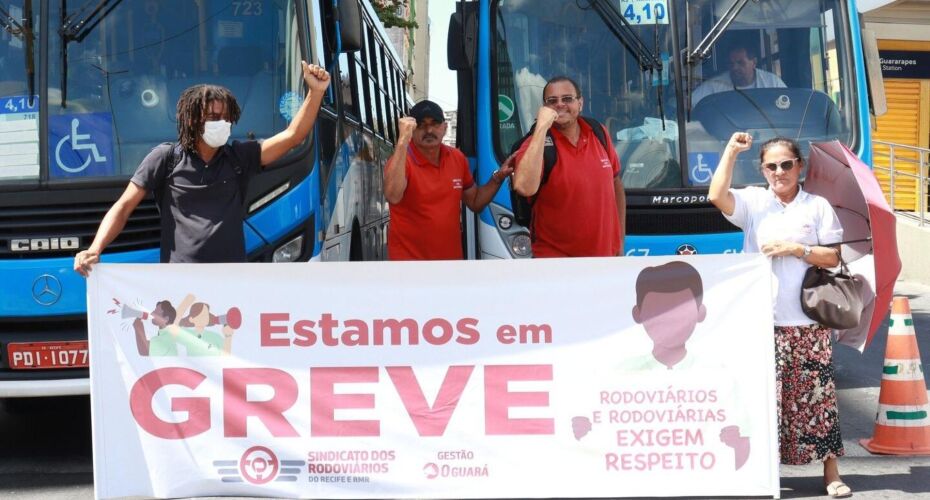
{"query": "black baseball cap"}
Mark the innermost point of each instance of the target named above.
(427, 109)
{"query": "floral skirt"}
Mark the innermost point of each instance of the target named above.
(809, 426)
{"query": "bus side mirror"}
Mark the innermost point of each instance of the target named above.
(873, 65)
(462, 40)
(350, 26)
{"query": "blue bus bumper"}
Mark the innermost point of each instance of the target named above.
(683, 244)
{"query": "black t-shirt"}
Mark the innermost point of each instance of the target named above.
(201, 204)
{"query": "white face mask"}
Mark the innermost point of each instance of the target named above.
(216, 133)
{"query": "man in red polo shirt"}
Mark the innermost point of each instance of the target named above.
(581, 210)
(426, 182)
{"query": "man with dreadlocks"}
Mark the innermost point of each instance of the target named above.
(199, 182)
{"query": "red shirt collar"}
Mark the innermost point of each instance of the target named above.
(585, 130)
(419, 159)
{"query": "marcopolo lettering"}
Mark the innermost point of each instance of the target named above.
(679, 199)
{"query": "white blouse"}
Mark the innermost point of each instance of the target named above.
(808, 219)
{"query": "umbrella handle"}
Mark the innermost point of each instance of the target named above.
(849, 241)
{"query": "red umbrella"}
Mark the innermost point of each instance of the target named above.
(870, 241)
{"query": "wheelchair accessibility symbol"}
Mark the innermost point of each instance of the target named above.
(78, 143)
(84, 147)
(701, 167)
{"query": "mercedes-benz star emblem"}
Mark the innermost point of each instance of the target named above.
(686, 249)
(46, 290)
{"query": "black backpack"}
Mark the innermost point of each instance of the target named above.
(521, 206)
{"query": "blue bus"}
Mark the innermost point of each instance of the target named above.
(88, 88)
(651, 71)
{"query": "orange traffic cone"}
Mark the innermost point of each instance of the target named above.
(902, 426)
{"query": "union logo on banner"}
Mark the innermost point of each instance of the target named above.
(258, 465)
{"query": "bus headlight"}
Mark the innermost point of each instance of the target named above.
(521, 245)
(290, 251)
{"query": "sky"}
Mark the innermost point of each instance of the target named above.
(863, 5)
(442, 82)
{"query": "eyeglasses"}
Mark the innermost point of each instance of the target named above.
(785, 165)
(566, 99)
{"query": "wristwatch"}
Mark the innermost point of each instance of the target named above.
(807, 251)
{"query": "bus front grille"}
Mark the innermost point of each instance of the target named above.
(662, 221)
(54, 230)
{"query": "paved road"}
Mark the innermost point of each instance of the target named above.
(858, 380)
(45, 447)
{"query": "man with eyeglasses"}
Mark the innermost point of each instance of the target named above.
(743, 74)
(580, 208)
(425, 183)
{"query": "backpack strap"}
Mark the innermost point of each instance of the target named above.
(521, 206)
(550, 155)
(171, 161)
(598, 131)
(240, 173)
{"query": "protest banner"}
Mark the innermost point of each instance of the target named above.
(544, 378)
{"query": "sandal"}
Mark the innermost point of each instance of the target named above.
(838, 489)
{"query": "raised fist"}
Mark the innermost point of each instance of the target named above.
(316, 77)
(546, 117)
(739, 142)
(406, 126)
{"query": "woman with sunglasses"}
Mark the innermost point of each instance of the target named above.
(795, 230)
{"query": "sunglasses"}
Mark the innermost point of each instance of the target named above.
(785, 165)
(554, 100)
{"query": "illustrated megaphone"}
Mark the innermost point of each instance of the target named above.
(233, 318)
(129, 312)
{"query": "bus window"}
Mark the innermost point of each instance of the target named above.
(535, 41)
(120, 79)
(345, 85)
(791, 41)
(794, 88)
(19, 104)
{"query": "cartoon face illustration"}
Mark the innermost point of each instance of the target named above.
(163, 314)
(199, 316)
(669, 306)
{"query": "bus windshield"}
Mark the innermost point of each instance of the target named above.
(116, 70)
(776, 69)
(19, 119)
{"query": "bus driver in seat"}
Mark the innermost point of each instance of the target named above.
(742, 75)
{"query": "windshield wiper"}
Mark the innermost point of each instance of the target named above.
(76, 26)
(702, 50)
(10, 24)
(623, 30)
(24, 32)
